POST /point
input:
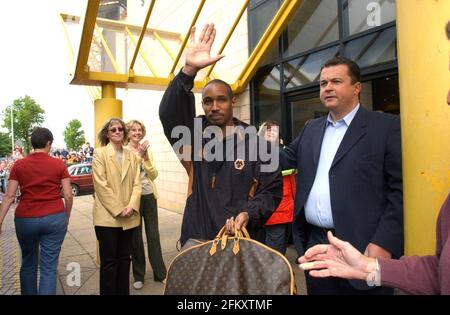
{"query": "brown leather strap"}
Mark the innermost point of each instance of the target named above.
(253, 189)
(213, 182)
(191, 178)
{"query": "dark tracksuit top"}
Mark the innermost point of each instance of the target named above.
(220, 189)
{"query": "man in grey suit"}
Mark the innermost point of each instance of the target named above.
(349, 177)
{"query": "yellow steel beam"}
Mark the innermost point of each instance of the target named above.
(199, 9)
(270, 36)
(68, 44)
(84, 76)
(107, 77)
(106, 47)
(118, 26)
(163, 44)
(167, 49)
(144, 28)
(94, 92)
(146, 60)
(227, 38)
(106, 107)
(86, 39)
(124, 81)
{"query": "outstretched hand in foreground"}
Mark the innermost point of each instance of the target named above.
(337, 259)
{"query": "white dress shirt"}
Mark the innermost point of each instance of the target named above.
(318, 205)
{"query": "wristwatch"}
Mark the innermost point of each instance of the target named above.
(374, 277)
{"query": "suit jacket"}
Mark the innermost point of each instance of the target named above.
(116, 187)
(365, 181)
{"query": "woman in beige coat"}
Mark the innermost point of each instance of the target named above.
(116, 207)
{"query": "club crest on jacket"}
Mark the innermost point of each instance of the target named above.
(239, 164)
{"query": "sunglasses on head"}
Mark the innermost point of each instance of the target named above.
(114, 129)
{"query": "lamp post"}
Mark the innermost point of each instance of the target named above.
(12, 131)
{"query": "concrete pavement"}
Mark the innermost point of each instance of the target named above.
(78, 272)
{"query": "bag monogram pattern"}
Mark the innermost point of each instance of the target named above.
(230, 265)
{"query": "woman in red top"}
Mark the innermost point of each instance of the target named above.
(41, 217)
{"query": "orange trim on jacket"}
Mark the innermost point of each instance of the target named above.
(285, 211)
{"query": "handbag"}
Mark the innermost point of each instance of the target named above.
(229, 264)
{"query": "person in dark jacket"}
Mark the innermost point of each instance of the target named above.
(351, 177)
(226, 187)
(413, 274)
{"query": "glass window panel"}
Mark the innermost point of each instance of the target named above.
(386, 95)
(306, 69)
(304, 110)
(267, 95)
(107, 43)
(272, 56)
(314, 24)
(362, 15)
(254, 3)
(373, 48)
(260, 18)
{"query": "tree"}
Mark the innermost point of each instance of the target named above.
(73, 136)
(5, 144)
(27, 114)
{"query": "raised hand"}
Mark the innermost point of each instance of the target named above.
(142, 149)
(198, 53)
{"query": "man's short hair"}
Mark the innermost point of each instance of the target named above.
(218, 81)
(40, 136)
(353, 69)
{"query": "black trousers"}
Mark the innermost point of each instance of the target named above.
(331, 285)
(115, 257)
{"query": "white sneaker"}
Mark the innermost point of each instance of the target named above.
(138, 285)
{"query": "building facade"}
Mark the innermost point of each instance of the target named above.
(400, 46)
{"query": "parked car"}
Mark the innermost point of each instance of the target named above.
(81, 178)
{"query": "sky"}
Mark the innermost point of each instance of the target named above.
(34, 61)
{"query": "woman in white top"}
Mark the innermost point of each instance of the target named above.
(148, 209)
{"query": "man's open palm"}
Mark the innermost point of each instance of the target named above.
(198, 53)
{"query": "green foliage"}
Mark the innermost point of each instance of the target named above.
(27, 114)
(5, 144)
(73, 135)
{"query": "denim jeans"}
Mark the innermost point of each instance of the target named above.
(40, 240)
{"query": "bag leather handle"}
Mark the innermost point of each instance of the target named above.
(240, 233)
(223, 237)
